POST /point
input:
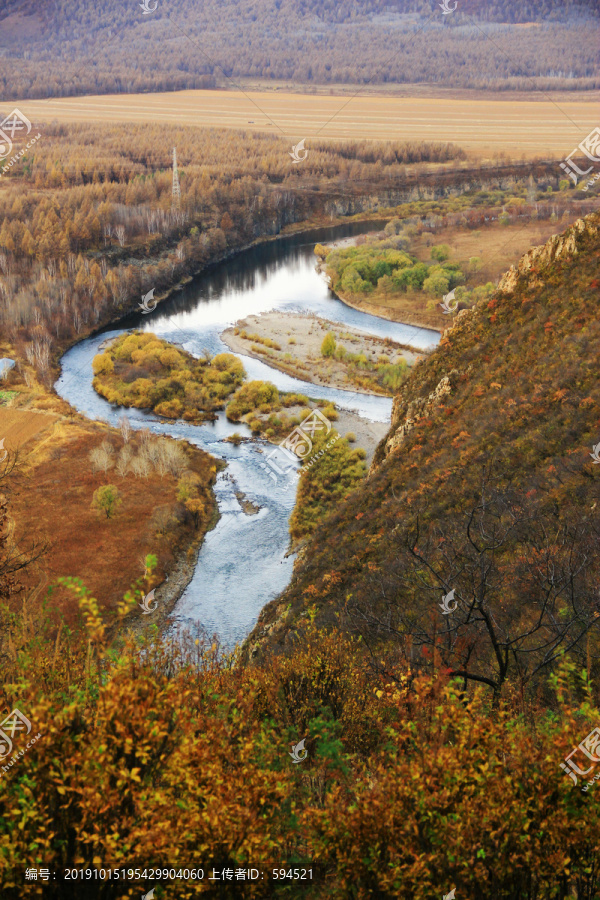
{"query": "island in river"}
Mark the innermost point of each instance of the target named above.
(351, 360)
(293, 343)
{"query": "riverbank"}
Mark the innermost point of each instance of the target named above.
(403, 316)
(385, 312)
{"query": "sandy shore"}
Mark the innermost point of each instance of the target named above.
(295, 348)
(368, 434)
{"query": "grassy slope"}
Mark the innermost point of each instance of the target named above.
(525, 394)
(50, 502)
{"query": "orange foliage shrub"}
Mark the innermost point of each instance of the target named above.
(177, 757)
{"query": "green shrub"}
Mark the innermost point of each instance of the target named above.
(441, 252)
(106, 500)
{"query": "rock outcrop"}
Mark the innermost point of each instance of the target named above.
(560, 246)
(416, 409)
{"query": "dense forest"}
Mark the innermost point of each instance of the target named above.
(89, 225)
(114, 48)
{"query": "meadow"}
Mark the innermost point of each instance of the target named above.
(484, 125)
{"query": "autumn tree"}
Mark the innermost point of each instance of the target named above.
(106, 500)
(101, 457)
(191, 492)
(125, 427)
(328, 346)
(440, 252)
(504, 588)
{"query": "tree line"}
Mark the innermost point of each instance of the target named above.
(89, 223)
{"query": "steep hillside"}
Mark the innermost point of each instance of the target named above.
(118, 47)
(485, 485)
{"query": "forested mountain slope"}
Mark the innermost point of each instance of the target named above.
(116, 47)
(485, 486)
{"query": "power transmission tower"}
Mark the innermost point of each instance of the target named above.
(176, 188)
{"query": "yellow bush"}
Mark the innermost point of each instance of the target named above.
(206, 384)
(171, 409)
(170, 358)
(103, 365)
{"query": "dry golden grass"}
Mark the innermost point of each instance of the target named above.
(52, 499)
(17, 426)
(50, 494)
(531, 125)
(498, 246)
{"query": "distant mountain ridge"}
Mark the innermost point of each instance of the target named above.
(116, 47)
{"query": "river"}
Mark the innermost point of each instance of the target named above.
(242, 564)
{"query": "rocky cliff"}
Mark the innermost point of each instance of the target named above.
(512, 388)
